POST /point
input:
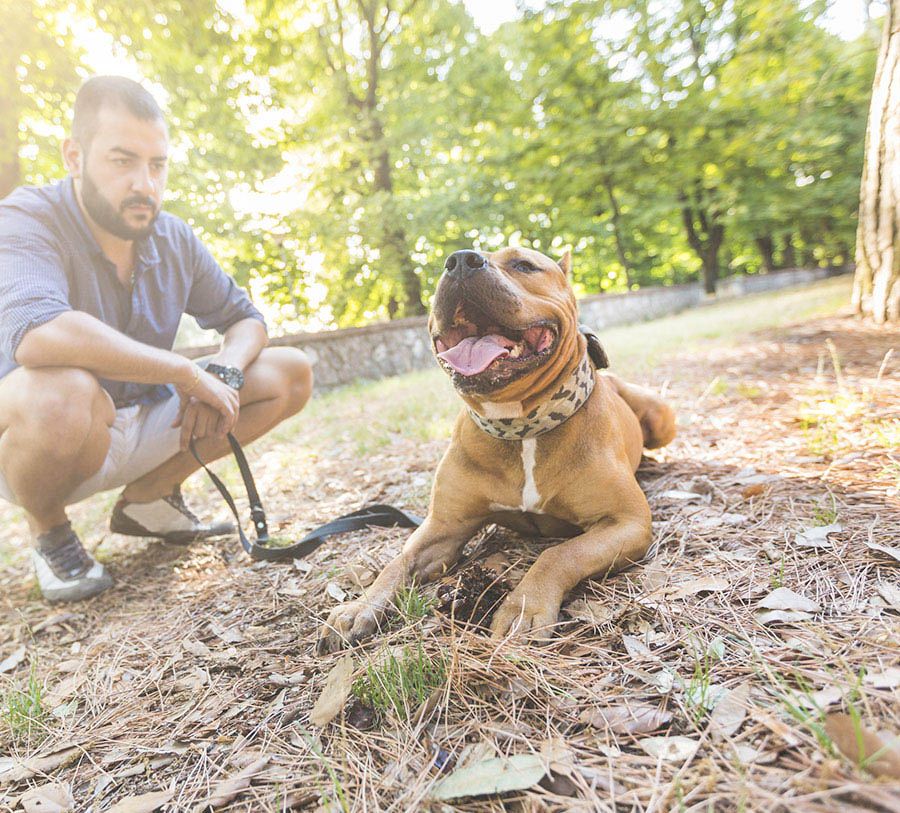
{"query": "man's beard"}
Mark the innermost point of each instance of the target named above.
(105, 215)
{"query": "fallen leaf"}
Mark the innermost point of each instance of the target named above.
(776, 726)
(53, 798)
(635, 647)
(224, 791)
(877, 752)
(335, 591)
(335, 693)
(719, 520)
(893, 552)
(890, 593)
(592, 612)
(670, 749)
(13, 660)
(888, 679)
(627, 719)
(823, 698)
(709, 584)
(53, 621)
(682, 496)
(817, 536)
(16, 770)
(229, 636)
(145, 803)
(361, 576)
(730, 711)
(782, 617)
(497, 775)
(197, 648)
(754, 490)
(784, 599)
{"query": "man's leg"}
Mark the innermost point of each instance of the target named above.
(54, 435)
(277, 385)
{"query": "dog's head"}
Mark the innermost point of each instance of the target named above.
(504, 325)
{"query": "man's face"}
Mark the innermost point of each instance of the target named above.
(122, 174)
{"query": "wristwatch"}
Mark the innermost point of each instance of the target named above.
(232, 376)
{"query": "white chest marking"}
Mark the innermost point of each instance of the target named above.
(531, 499)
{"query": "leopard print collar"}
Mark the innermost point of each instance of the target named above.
(564, 403)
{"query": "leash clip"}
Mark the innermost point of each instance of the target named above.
(258, 515)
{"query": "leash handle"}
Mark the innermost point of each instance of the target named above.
(385, 516)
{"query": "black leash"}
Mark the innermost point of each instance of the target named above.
(384, 516)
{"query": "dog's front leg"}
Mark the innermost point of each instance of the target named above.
(533, 607)
(427, 554)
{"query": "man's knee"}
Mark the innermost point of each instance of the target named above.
(58, 406)
(295, 374)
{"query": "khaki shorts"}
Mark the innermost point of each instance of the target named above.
(142, 438)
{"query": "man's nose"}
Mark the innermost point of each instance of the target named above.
(465, 263)
(142, 181)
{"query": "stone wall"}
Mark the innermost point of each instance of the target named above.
(391, 348)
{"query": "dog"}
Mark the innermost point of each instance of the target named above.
(545, 445)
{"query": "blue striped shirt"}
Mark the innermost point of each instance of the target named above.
(50, 263)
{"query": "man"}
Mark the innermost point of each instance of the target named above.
(94, 279)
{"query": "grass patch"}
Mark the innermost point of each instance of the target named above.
(699, 694)
(412, 605)
(401, 683)
(23, 708)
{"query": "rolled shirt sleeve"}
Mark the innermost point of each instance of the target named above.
(215, 300)
(33, 285)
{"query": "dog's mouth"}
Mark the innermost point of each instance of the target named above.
(483, 355)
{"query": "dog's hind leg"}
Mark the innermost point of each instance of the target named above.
(656, 417)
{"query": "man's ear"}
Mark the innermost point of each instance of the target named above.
(73, 157)
(566, 263)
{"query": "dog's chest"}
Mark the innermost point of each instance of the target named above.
(530, 500)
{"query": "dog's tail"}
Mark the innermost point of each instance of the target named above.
(656, 417)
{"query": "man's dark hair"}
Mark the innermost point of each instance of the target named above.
(110, 91)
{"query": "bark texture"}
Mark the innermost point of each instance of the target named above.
(876, 286)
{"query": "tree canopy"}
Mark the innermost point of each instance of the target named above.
(333, 152)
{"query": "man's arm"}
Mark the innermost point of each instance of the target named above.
(242, 343)
(77, 339)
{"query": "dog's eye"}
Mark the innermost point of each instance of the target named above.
(525, 267)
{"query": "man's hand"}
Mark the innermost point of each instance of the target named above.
(209, 408)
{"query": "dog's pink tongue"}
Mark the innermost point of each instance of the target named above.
(475, 354)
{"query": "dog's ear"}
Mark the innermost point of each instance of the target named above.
(566, 263)
(594, 348)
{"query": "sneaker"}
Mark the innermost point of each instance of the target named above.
(65, 570)
(166, 518)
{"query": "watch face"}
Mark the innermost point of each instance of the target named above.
(232, 376)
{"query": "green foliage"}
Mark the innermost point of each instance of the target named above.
(333, 152)
(412, 605)
(22, 710)
(399, 684)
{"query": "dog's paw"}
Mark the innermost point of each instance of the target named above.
(346, 625)
(524, 614)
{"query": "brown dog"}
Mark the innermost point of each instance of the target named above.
(546, 445)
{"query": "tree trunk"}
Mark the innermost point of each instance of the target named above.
(766, 246)
(788, 258)
(394, 242)
(876, 285)
(617, 231)
(705, 235)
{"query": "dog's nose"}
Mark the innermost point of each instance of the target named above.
(463, 263)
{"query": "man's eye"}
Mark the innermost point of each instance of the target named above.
(525, 267)
(121, 162)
